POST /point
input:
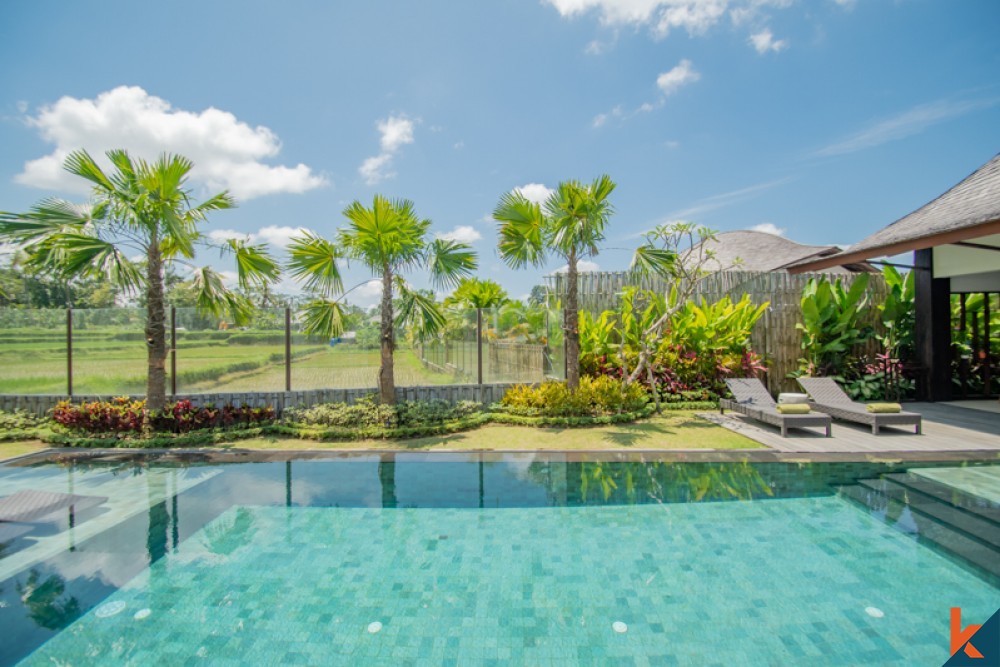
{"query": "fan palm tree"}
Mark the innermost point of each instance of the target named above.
(569, 225)
(476, 293)
(139, 208)
(389, 239)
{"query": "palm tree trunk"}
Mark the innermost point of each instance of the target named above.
(386, 378)
(571, 325)
(156, 328)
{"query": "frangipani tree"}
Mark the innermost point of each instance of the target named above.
(140, 208)
(389, 239)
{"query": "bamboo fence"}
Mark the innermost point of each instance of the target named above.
(775, 336)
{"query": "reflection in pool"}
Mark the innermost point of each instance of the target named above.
(519, 558)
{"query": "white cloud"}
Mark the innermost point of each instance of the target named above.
(376, 168)
(764, 41)
(396, 132)
(459, 145)
(227, 153)
(601, 118)
(274, 235)
(462, 234)
(681, 75)
(368, 294)
(724, 199)
(908, 123)
(846, 4)
(672, 144)
(582, 266)
(768, 228)
(535, 192)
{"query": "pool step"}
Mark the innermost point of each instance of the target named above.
(974, 526)
(954, 497)
(941, 536)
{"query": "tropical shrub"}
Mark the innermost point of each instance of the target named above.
(703, 345)
(19, 425)
(832, 324)
(596, 396)
(126, 416)
(367, 412)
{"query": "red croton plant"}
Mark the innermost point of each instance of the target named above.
(125, 415)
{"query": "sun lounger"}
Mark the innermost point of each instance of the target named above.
(751, 398)
(828, 397)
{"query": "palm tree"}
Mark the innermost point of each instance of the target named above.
(140, 208)
(570, 225)
(390, 239)
(476, 293)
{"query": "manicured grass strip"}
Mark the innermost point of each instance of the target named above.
(677, 429)
(10, 449)
(196, 439)
(680, 429)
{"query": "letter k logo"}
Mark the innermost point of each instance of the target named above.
(960, 636)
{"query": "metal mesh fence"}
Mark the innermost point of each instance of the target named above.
(104, 352)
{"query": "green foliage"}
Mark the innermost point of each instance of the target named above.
(477, 293)
(595, 396)
(366, 411)
(702, 344)
(832, 323)
(20, 425)
(898, 313)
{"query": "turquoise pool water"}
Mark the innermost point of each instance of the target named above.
(523, 561)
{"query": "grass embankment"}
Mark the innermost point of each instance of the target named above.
(681, 429)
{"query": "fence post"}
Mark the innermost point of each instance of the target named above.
(173, 351)
(479, 344)
(69, 353)
(288, 348)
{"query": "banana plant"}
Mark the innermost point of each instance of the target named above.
(832, 323)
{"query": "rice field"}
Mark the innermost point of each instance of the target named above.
(35, 362)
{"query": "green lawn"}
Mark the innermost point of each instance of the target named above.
(9, 450)
(674, 430)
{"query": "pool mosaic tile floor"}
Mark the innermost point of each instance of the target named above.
(787, 581)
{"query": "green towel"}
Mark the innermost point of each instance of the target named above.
(793, 408)
(884, 408)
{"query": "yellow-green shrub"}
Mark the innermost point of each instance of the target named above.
(596, 396)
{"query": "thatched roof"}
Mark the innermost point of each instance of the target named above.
(759, 251)
(969, 210)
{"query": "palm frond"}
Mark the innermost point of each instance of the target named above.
(387, 234)
(80, 255)
(419, 312)
(49, 216)
(254, 265)
(450, 261)
(521, 233)
(212, 296)
(323, 317)
(314, 261)
(80, 163)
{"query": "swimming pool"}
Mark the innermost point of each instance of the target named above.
(488, 559)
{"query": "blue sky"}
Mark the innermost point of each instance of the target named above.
(826, 119)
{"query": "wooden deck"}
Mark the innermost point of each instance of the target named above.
(945, 428)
